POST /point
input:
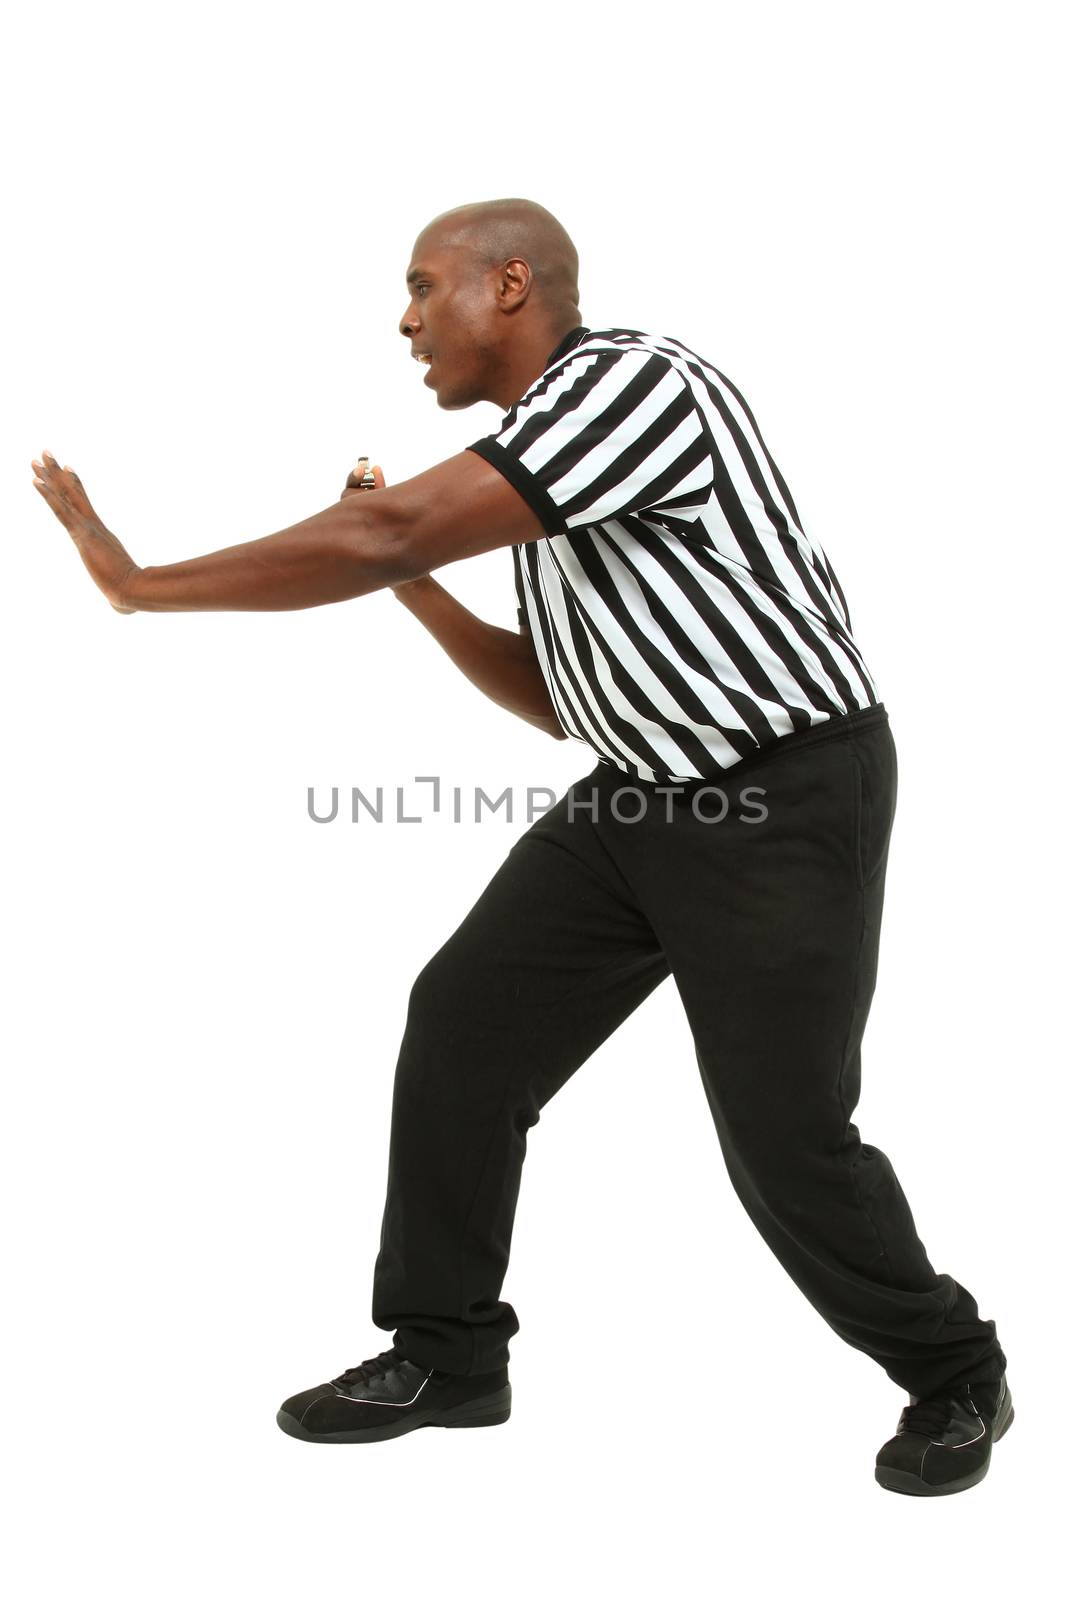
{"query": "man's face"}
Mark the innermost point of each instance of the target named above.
(450, 319)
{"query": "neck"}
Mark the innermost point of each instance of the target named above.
(524, 366)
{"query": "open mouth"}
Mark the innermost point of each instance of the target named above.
(425, 359)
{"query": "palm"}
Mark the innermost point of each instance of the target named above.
(108, 561)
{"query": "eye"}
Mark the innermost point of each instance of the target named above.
(419, 287)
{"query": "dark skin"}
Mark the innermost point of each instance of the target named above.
(490, 332)
(502, 664)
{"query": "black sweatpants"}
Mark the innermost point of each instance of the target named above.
(762, 896)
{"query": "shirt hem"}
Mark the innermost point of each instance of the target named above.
(841, 725)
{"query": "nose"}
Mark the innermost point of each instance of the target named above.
(409, 322)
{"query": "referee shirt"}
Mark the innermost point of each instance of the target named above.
(681, 615)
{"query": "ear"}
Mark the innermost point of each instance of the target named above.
(515, 283)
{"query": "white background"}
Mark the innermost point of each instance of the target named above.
(850, 210)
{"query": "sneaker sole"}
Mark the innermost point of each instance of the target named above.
(485, 1412)
(908, 1483)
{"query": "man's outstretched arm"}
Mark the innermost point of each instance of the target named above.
(355, 546)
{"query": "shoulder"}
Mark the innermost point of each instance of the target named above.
(632, 341)
(608, 371)
(612, 357)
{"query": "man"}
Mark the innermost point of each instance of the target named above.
(676, 617)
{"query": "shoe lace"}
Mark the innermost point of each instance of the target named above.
(372, 1367)
(931, 1416)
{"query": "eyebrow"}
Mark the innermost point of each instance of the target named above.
(416, 272)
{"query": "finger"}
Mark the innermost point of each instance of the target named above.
(48, 495)
(48, 491)
(49, 472)
(64, 480)
(76, 491)
(69, 485)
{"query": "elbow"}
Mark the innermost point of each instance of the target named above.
(403, 551)
(379, 539)
(544, 722)
(400, 561)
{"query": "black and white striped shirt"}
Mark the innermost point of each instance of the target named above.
(681, 615)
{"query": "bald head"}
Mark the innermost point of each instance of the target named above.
(494, 288)
(493, 232)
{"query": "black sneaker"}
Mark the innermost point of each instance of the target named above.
(944, 1443)
(387, 1395)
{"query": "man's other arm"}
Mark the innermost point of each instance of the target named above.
(502, 664)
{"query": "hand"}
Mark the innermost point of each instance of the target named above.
(353, 486)
(352, 483)
(110, 565)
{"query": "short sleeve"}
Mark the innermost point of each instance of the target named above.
(603, 434)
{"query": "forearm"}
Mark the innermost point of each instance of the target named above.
(500, 663)
(338, 554)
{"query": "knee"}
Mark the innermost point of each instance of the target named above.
(773, 1153)
(442, 1033)
(436, 997)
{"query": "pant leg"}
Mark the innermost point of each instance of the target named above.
(771, 929)
(550, 959)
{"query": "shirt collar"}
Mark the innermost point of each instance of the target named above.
(575, 336)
